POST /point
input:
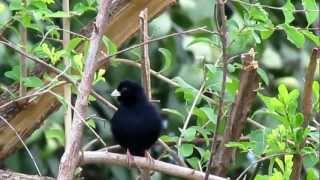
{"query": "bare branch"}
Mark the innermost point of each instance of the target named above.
(222, 29)
(249, 83)
(9, 175)
(70, 158)
(90, 157)
(307, 111)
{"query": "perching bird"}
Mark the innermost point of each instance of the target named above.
(136, 125)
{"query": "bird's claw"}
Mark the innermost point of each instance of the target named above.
(130, 159)
(149, 158)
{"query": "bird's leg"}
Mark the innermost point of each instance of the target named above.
(130, 158)
(150, 160)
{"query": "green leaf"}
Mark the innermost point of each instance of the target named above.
(312, 174)
(14, 74)
(298, 120)
(265, 34)
(258, 13)
(259, 139)
(205, 40)
(312, 37)
(111, 46)
(72, 44)
(194, 162)
(283, 93)
(189, 134)
(167, 59)
(15, 5)
(91, 123)
(55, 132)
(99, 76)
(78, 62)
(58, 14)
(174, 112)
(288, 10)
(263, 75)
(244, 146)
(167, 138)
(293, 35)
(272, 103)
(311, 10)
(32, 81)
(310, 160)
(186, 150)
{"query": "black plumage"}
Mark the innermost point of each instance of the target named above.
(136, 125)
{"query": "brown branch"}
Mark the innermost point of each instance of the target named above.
(145, 60)
(249, 83)
(307, 111)
(70, 158)
(145, 68)
(9, 175)
(222, 29)
(94, 157)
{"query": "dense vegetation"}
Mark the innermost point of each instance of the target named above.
(200, 79)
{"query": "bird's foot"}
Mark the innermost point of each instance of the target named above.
(150, 160)
(130, 158)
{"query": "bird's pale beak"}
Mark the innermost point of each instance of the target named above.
(115, 93)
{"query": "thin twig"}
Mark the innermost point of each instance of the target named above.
(186, 122)
(275, 8)
(104, 60)
(22, 142)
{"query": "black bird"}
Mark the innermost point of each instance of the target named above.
(136, 125)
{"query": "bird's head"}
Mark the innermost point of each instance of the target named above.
(129, 93)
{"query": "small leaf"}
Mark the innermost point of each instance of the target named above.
(293, 35)
(77, 62)
(189, 134)
(194, 162)
(186, 150)
(312, 174)
(14, 74)
(111, 46)
(72, 44)
(258, 13)
(58, 14)
(263, 75)
(288, 10)
(174, 112)
(55, 132)
(204, 40)
(32, 81)
(91, 123)
(298, 120)
(312, 37)
(167, 59)
(311, 10)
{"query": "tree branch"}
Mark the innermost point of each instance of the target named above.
(90, 157)
(70, 158)
(222, 29)
(307, 111)
(9, 175)
(249, 83)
